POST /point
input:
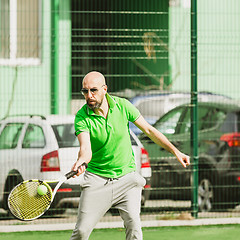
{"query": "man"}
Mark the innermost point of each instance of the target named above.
(110, 180)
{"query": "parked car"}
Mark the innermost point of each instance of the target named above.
(154, 104)
(219, 155)
(45, 147)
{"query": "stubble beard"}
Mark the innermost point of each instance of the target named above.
(95, 105)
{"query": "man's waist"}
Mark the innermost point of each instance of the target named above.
(111, 173)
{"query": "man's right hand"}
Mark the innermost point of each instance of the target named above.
(77, 167)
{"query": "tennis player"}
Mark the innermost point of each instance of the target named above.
(111, 179)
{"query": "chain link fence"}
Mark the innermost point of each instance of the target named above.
(144, 50)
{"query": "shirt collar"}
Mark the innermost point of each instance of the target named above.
(112, 103)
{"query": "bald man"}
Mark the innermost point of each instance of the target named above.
(111, 179)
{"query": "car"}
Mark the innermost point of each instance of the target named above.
(45, 147)
(153, 104)
(218, 150)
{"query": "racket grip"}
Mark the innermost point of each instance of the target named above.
(72, 173)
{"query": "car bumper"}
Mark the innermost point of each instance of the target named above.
(146, 191)
(230, 187)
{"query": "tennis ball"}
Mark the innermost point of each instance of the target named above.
(42, 190)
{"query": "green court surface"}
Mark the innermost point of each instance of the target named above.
(219, 232)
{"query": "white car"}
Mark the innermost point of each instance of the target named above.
(45, 147)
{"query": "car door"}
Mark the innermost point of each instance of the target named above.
(208, 119)
(166, 170)
(9, 144)
(31, 151)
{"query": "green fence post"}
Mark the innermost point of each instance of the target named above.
(54, 55)
(194, 108)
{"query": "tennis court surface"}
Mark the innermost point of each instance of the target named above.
(214, 232)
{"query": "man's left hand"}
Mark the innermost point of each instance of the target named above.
(183, 159)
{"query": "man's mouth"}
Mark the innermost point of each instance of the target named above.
(91, 101)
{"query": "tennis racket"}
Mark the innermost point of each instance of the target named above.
(24, 201)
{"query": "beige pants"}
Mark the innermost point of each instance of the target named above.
(99, 194)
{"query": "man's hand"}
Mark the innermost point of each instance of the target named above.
(77, 167)
(183, 159)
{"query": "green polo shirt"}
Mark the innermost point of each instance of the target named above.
(112, 154)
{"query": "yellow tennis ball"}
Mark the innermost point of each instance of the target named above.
(42, 190)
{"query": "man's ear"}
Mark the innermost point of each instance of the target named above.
(105, 88)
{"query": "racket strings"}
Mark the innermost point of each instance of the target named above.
(26, 204)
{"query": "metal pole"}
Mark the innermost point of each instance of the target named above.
(194, 108)
(54, 55)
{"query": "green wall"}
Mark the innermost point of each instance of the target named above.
(30, 92)
(218, 46)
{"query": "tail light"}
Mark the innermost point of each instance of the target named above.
(64, 190)
(232, 139)
(146, 170)
(50, 162)
(145, 162)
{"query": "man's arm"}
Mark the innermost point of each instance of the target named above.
(161, 140)
(85, 152)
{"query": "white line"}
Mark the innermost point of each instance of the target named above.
(118, 224)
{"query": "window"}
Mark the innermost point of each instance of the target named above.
(207, 118)
(168, 123)
(65, 135)
(231, 123)
(34, 137)
(10, 135)
(185, 126)
(211, 118)
(133, 142)
(20, 32)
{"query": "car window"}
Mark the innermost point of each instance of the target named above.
(65, 135)
(133, 142)
(34, 137)
(207, 118)
(211, 118)
(168, 123)
(186, 123)
(10, 135)
(231, 123)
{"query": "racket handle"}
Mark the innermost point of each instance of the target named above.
(72, 173)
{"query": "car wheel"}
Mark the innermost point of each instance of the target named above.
(142, 200)
(12, 180)
(205, 194)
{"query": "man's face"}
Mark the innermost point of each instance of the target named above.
(94, 92)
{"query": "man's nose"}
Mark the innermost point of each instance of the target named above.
(89, 94)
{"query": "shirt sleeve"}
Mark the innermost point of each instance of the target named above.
(132, 112)
(80, 125)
